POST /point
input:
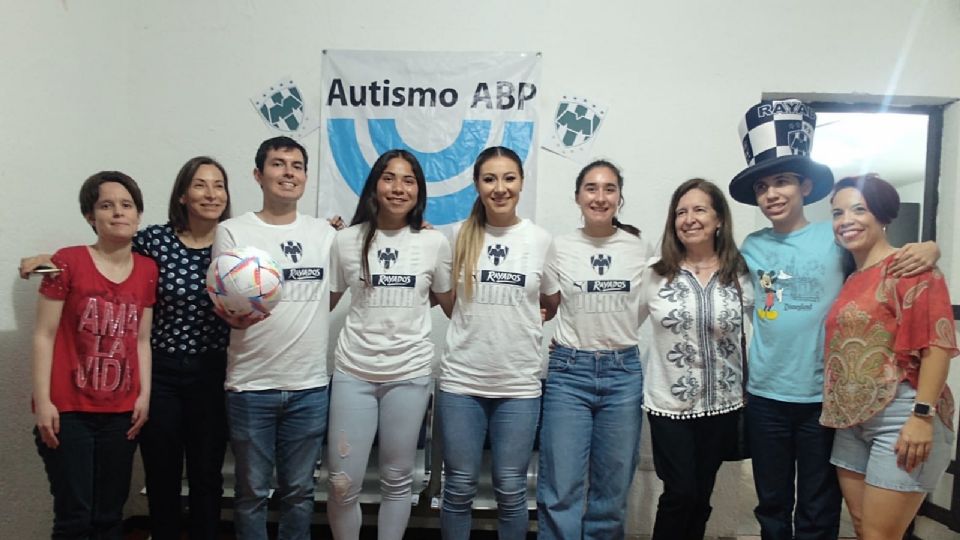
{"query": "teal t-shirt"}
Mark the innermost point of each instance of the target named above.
(796, 276)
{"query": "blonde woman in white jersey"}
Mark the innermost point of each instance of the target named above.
(391, 265)
(490, 369)
(594, 391)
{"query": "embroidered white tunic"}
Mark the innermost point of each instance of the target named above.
(694, 368)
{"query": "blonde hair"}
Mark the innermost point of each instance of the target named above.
(469, 242)
(466, 251)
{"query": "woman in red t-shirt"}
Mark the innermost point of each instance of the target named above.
(91, 362)
(888, 345)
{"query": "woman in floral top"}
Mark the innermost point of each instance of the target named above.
(888, 345)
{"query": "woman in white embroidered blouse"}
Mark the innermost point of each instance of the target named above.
(696, 295)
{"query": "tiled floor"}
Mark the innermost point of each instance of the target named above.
(748, 528)
(367, 533)
(926, 529)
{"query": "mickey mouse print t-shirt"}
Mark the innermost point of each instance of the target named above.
(796, 276)
(494, 339)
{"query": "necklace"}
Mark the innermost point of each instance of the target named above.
(703, 266)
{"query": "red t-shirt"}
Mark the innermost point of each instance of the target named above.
(95, 365)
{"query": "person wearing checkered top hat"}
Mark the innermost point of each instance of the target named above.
(797, 271)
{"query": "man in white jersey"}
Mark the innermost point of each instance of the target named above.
(276, 367)
(797, 271)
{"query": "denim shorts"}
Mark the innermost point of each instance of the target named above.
(868, 448)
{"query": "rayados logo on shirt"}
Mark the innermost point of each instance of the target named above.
(608, 285)
(303, 274)
(387, 256)
(503, 278)
(497, 253)
(603, 285)
(393, 280)
(601, 263)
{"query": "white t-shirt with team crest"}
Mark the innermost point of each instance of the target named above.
(599, 284)
(494, 339)
(288, 349)
(386, 334)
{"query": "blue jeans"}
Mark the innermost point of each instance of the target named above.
(591, 425)
(464, 423)
(788, 443)
(283, 428)
(89, 474)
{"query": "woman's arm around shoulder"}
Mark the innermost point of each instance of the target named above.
(915, 258)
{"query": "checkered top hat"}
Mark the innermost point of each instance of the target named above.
(777, 137)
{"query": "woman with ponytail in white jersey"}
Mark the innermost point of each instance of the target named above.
(593, 395)
(391, 265)
(490, 369)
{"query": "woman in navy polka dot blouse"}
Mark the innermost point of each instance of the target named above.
(189, 342)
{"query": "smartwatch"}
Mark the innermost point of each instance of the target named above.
(925, 410)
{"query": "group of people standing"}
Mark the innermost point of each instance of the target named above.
(133, 304)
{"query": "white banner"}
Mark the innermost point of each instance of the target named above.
(445, 108)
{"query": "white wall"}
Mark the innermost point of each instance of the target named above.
(141, 86)
(912, 192)
(949, 241)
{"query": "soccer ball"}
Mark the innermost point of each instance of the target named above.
(244, 280)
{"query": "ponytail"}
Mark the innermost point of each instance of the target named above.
(369, 231)
(467, 248)
(625, 227)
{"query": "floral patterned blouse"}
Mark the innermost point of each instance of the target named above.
(695, 367)
(876, 334)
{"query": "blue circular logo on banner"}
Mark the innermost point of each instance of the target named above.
(437, 166)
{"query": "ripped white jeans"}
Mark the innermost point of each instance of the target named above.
(357, 409)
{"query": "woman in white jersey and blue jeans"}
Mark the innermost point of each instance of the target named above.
(594, 390)
(490, 369)
(391, 265)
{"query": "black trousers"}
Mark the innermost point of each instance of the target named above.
(89, 474)
(187, 418)
(686, 456)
